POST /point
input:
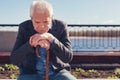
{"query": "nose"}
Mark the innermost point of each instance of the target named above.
(41, 25)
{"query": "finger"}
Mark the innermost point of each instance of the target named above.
(43, 36)
(47, 47)
(40, 43)
(46, 44)
(31, 40)
(36, 39)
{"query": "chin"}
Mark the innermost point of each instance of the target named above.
(41, 32)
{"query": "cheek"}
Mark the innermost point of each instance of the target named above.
(47, 28)
(36, 27)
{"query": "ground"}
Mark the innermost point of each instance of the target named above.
(92, 73)
(9, 71)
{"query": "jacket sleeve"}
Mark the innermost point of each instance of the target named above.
(62, 46)
(21, 48)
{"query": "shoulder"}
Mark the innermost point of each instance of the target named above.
(25, 23)
(59, 24)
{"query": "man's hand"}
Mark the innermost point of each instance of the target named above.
(44, 44)
(46, 36)
(42, 40)
(34, 39)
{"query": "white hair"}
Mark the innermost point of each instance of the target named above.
(41, 6)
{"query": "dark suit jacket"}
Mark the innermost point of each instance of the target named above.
(23, 54)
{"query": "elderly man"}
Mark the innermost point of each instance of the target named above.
(52, 38)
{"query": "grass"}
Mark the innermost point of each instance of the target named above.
(10, 71)
(92, 73)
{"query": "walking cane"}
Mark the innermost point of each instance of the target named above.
(47, 62)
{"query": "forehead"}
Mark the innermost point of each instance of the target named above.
(41, 15)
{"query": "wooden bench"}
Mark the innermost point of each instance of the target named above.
(97, 57)
(4, 57)
(80, 57)
(98, 60)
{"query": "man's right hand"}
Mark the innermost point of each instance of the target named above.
(44, 44)
(36, 40)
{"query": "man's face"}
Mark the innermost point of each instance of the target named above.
(41, 22)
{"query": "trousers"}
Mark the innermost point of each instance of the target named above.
(55, 76)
